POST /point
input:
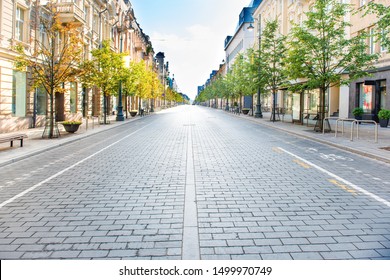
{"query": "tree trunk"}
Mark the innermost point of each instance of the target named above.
(105, 108)
(321, 113)
(51, 125)
(273, 105)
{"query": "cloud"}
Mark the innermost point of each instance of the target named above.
(190, 54)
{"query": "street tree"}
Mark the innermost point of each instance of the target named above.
(52, 59)
(104, 70)
(273, 55)
(321, 52)
(240, 80)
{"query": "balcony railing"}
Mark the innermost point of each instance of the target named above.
(70, 12)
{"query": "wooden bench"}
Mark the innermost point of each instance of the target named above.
(12, 138)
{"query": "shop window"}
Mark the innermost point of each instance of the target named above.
(19, 94)
(366, 97)
(382, 88)
(41, 101)
(73, 97)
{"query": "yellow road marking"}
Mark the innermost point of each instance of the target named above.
(301, 163)
(344, 187)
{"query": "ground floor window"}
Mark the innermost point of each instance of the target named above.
(19, 94)
(365, 93)
(73, 97)
(382, 89)
(41, 101)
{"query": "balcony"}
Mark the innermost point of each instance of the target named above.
(70, 12)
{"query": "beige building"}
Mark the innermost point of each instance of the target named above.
(23, 107)
(368, 93)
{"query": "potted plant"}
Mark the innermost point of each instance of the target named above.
(358, 113)
(384, 116)
(71, 126)
(133, 113)
(245, 111)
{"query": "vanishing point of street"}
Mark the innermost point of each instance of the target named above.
(194, 183)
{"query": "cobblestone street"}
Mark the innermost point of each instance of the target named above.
(195, 183)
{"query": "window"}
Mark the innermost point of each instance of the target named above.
(95, 23)
(382, 89)
(73, 97)
(383, 47)
(363, 2)
(19, 94)
(41, 101)
(365, 97)
(371, 42)
(86, 16)
(43, 38)
(20, 24)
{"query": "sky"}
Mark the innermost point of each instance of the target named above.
(191, 34)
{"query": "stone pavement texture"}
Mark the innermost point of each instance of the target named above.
(193, 183)
(365, 145)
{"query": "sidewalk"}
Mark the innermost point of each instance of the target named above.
(35, 144)
(364, 146)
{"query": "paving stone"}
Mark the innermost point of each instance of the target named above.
(65, 254)
(252, 202)
(364, 254)
(342, 255)
(306, 256)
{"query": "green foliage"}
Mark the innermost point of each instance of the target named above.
(321, 51)
(273, 56)
(104, 70)
(384, 114)
(383, 24)
(357, 112)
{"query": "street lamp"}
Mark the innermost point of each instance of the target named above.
(123, 27)
(259, 113)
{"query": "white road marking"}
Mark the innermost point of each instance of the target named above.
(191, 248)
(374, 196)
(66, 169)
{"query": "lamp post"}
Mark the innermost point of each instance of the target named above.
(123, 27)
(258, 113)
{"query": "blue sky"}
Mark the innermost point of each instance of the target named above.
(191, 33)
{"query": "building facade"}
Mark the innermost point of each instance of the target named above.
(22, 106)
(368, 93)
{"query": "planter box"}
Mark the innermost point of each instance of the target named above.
(245, 111)
(133, 114)
(383, 123)
(71, 128)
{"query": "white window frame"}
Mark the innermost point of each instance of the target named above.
(20, 21)
(382, 47)
(371, 40)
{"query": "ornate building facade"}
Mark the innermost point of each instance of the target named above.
(22, 106)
